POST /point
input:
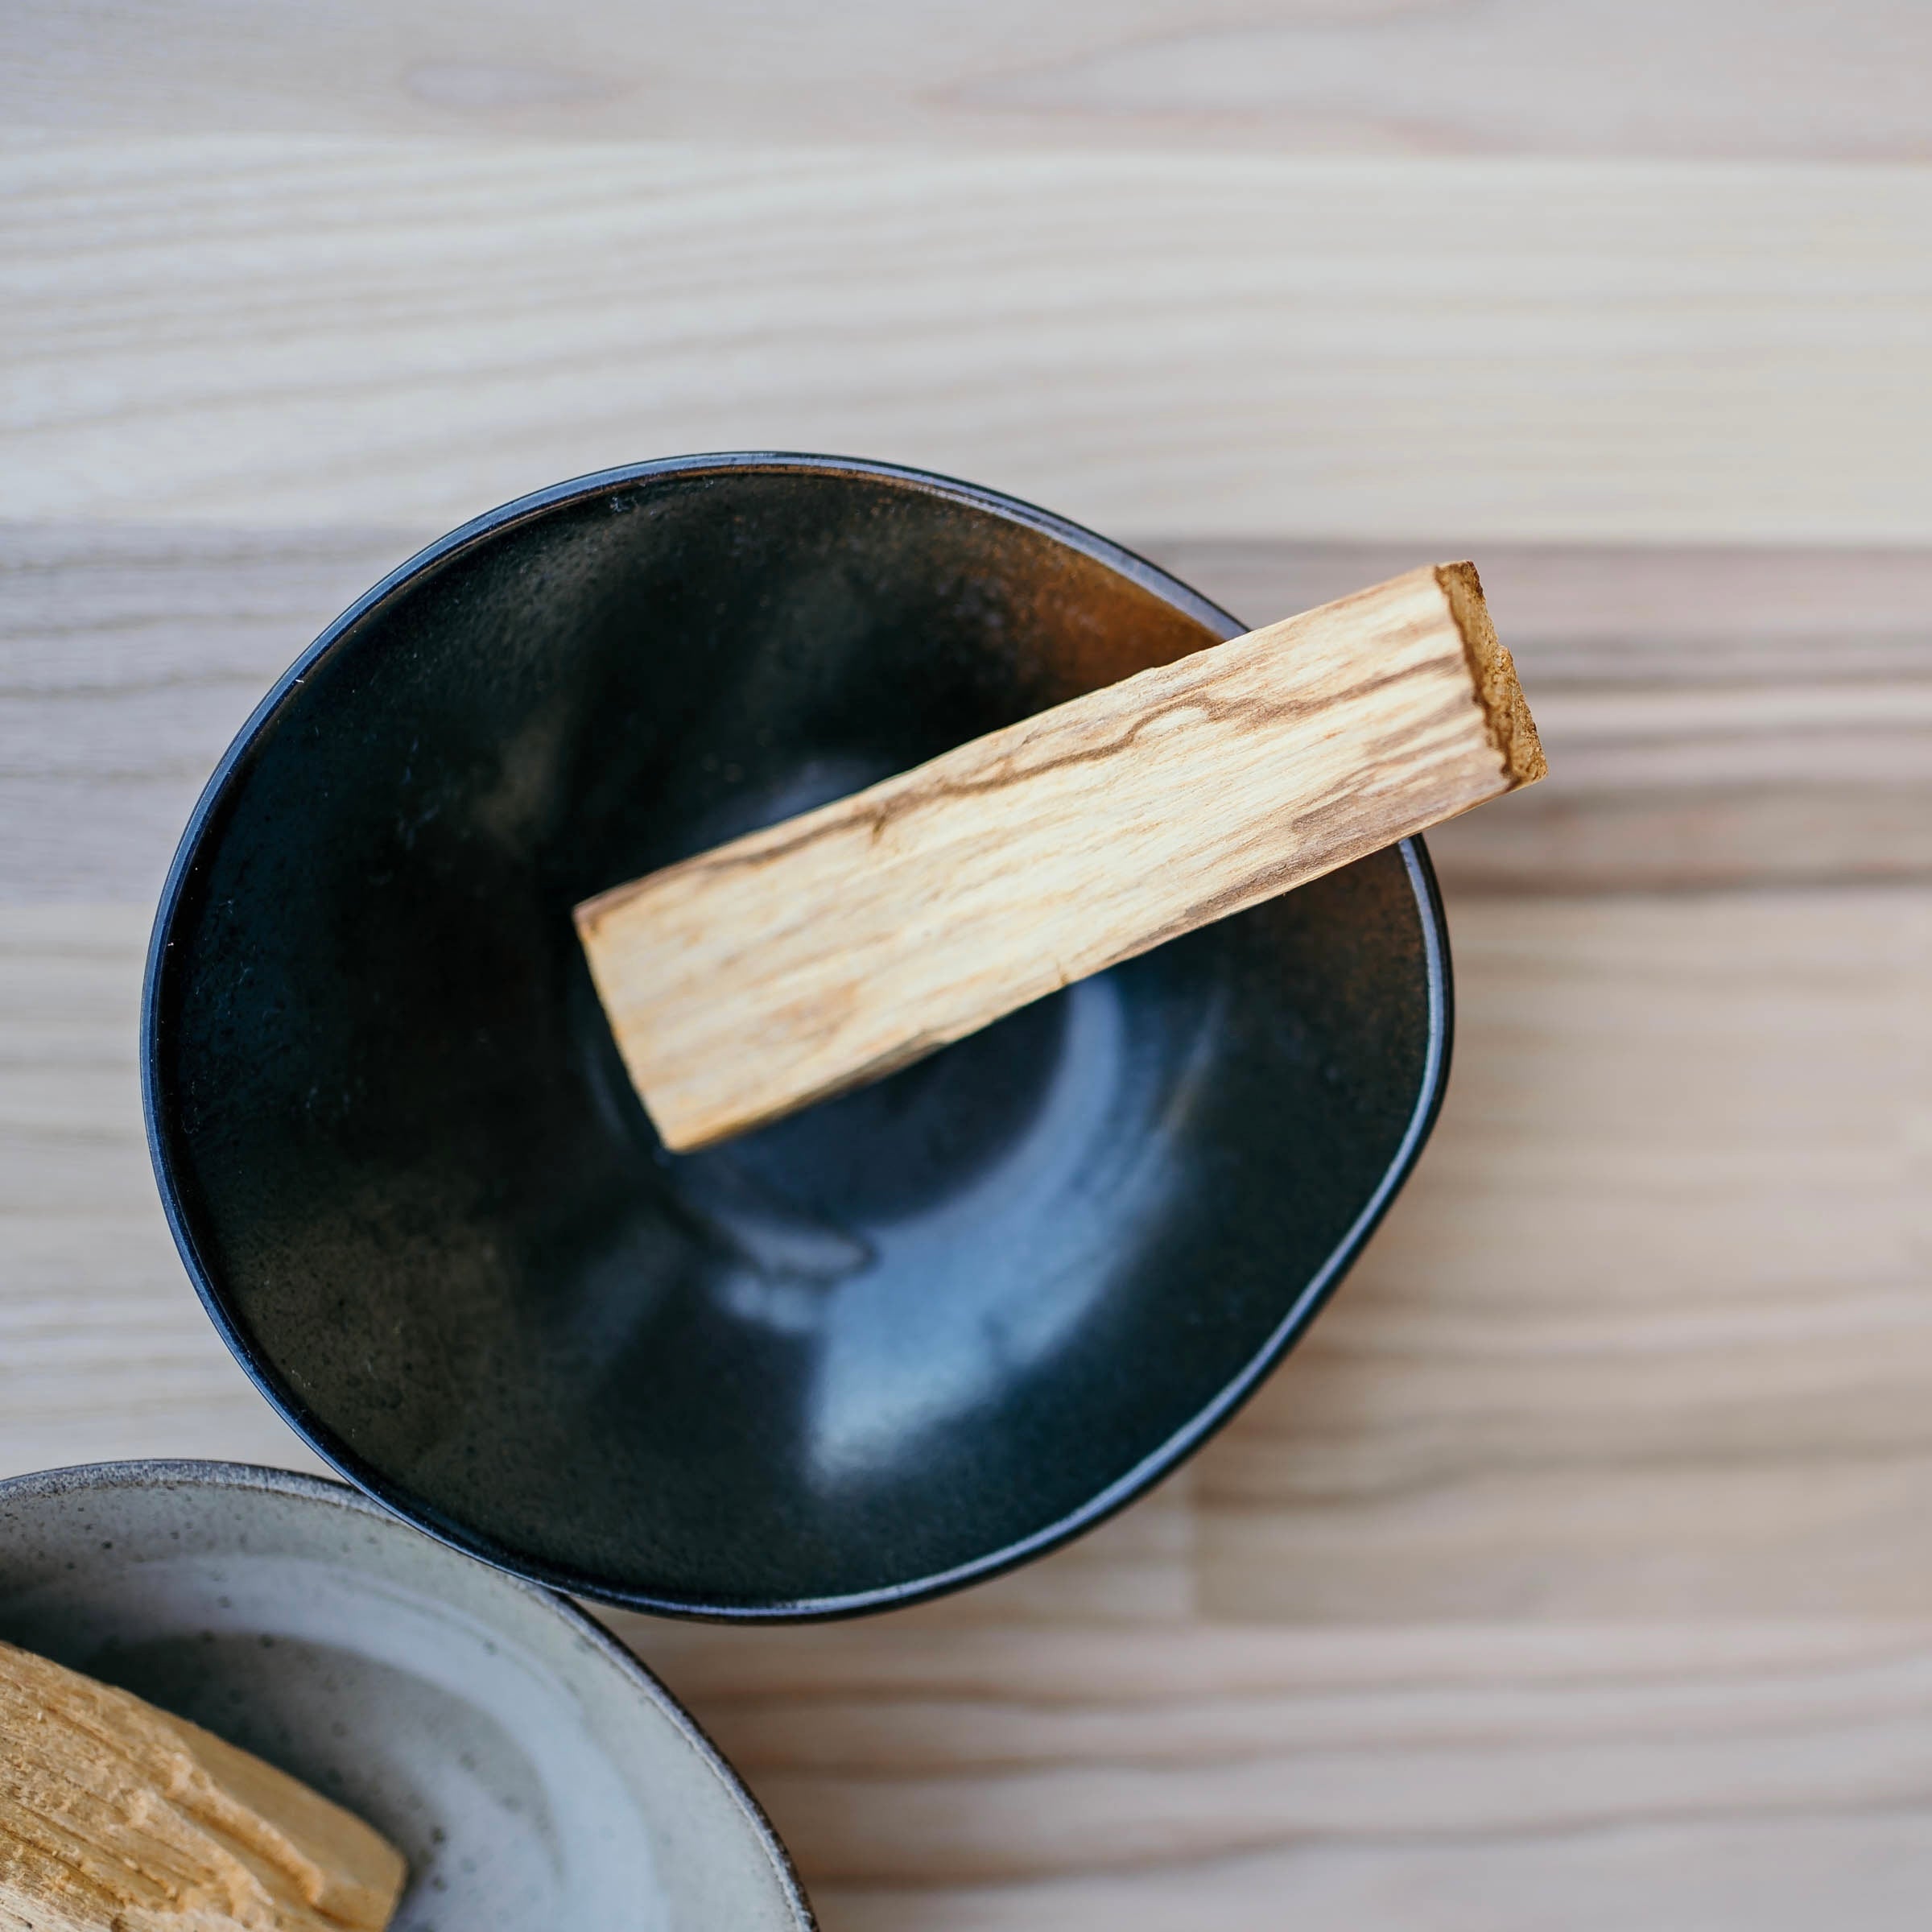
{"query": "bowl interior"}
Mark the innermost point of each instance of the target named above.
(531, 1775)
(890, 1343)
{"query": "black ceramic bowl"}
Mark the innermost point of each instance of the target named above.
(891, 1344)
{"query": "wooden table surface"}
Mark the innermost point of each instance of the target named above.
(1578, 1571)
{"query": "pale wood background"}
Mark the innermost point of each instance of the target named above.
(1579, 1571)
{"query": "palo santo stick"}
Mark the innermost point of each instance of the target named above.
(113, 1814)
(836, 947)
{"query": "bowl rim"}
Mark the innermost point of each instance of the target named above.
(152, 1472)
(394, 1496)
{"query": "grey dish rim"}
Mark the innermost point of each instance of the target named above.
(1123, 1490)
(81, 1479)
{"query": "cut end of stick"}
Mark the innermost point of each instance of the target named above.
(1505, 708)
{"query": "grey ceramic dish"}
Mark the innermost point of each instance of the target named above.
(534, 1773)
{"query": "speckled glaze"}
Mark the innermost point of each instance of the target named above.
(533, 1772)
(891, 1344)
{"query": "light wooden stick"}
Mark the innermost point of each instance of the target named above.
(115, 1817)
(836, 947)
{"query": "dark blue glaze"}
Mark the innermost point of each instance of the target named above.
(890, 1345)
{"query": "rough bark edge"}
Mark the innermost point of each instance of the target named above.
(1507, 711)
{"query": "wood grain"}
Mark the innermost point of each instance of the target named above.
(1719, 717)
(1209, 346)
(1804, 79)
(1759, 1774)
(1573, 1571)
(117, 1816)
(826, 951)
(1574, 1574)
(1664, 1293)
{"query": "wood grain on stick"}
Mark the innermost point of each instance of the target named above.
(116, 1815)
(832, 949)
